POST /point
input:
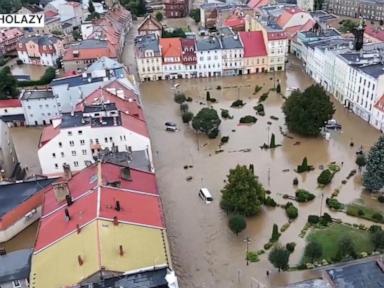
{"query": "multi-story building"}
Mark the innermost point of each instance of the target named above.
(79, 56)
(209, 57)
(368, 9)
(11, 112)
(255, 57)
(40, 50)
(377, 119)
(69, 12)
(9, 39)
(176, 8)
(87, 217)
(171, 58)
(188, 57)
(8, 156)
(150, 26)
(40, 106)
(148, 57)
(232, 54)
(18, 266)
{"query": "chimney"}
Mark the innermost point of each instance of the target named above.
(125, 173)
(117, 205)
(78, 228)
(80, 260)
(67, 171)
(68, 198)
(67, 216)
(115, 221)
(61, 190)
(121, 250)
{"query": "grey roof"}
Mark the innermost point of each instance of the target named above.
(374, 70)
(41, 39)
(323, 34)
(362, 275)
(225, 31)
(15, 265)
(22, 77)
(77, 120)
(100, 107)
(147, 42)
(231, 42)
(13, 194)
(36, 94)
(147, 279)
(104, 63)
(316, 283)
(79, 80)
(135, 159)
(12, 118)
(90, 43)
(206, 44)
(66, 25)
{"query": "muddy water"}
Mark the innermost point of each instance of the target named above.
(34, 71)
(23, 240)
(205, 252)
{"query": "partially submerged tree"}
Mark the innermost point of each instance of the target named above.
(373, 178)
(243, 194)
(207, 121)
(313, 251)
(237, 223)
(279, 257)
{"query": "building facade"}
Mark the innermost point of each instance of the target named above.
(255, 58)
(368, 9)
(209, 56)
(148, 57)
(176, 8)
(9, 39)
(150, 26)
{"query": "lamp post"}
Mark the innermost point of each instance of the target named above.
(247, 241)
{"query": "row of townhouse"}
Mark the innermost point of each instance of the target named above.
(355, 78)
(229, 54)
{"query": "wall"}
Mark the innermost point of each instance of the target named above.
(23, 284)
(37, 111)
(8, 157)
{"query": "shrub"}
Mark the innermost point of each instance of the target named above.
(325, 177)
(304, 167)
(263, 97)
(291, 211)
(313, 219)
(275, 233)
(237, 223)
(325, 219)
(333, 203)
(269, 202)
(378, 217)
(19, 62)
(290, 246)
(360, 212)
(238, 103)
(224, 139)
(284, 227)
(187, 117)
(213, 133)
(189, 99)
(179, 98)
(304, 196)
(252, 256)
(218, 87)
(295, 182)
(278, 88)
(208, 97)
(381, 198)
(313, 250)
(184, 107)
(259, 109)
(225, 114)
(257, 89)
(374, 228)
(248, 119)
(268, 245)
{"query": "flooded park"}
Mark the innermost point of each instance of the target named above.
(205, 252)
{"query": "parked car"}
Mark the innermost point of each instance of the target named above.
(171, 124)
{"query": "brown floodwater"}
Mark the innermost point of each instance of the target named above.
(34, 71)
(23, 240)
(205, 252)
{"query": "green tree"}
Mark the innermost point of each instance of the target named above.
(373, 177)
(313, 251)
(348, 25)
(176, 33)
(346, 249)
(377, 239)
(307, 112)
(8, 84)
(137, 7)
(76, 34)
(325, 177)
(278, 88)
(207, 121)
(361, 161)
(184, 107)
(91, 7)
(243, 194)
(179, 98)
(291, 211)
(195, 15)
(279, 257)
(159, 16)
(275, 233)
(273, 143)
(237, 223)
(187, 117)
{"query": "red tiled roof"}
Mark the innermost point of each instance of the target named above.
(150, 18)
(292, 31)
(49, 132)
(50, 13)
(170, 47)
(375, 32)
(135, 125)
(254, 4)
(235, 22)
(277, 35)
(138, 199)
(137, 208)
(10, 103)
(254, 45)
(10, 34)
(287, 14)
(380, 104)
(89, 53)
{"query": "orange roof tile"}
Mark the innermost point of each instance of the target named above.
(287, 14)
(170, 47)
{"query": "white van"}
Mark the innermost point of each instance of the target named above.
(205, 195)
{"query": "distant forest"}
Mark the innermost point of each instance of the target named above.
(11, 6)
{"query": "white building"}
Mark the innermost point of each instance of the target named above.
(306, 5)
(148, 57)
(40, 106)
(77, 137)
(8, 157)
(209, 56)
(232, 52)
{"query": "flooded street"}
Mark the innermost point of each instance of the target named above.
(23, 240)
(205, 252)
(34, 71)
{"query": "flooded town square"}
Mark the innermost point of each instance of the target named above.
(205, 252)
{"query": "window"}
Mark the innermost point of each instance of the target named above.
(60, 144)
(82, 142)
(71, 143)
(106, 140)
(73, 153)
(69, 133)
(16, 283)
(84, 152)
(97, 141)
(56, 166)
(54, 155)
(62, 154)
(80, 132)
(76, 164)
